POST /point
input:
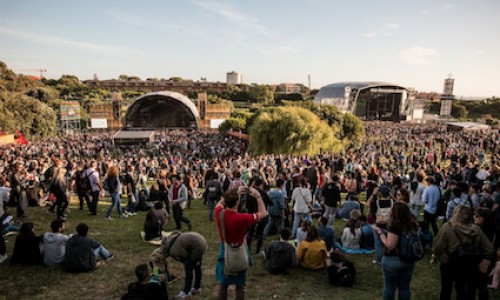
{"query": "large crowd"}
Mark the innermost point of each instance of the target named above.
(403, 179)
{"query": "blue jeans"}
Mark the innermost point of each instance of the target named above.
(211, 207)
(101, 251)
(132, 203)
(115, 200)
(273, 221)
(296, 221)
(397, 275)
(415, 209)
(378, 247)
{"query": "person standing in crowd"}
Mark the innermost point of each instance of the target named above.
(455, 269)
(275, 212)
(131, 192)
(177, 195)
(397, 273)
(381, 209)
(58, 188)
(257, 231)
(82, 196)
(163, 185)
(302, 199)
(16, 180)
(113, 186)
(431, 197)
(330, 196)
(95, 186)
(81, 251)
(213, 192)
(455, 202)
(54, 244)
(416, 190)
(235, 227)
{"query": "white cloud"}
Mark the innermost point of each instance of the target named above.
(392, 25)
(52, 40)
(418, 56)
(372, 34)
(229, 13)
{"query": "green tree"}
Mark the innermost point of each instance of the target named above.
(352, 131)
(32, 117)
(292, 130)
(261, 94)
(235, 124)
(123, 77)
(459, 111)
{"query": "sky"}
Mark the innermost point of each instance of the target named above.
(406, 42)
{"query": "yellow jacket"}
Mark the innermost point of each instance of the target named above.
(312, 255)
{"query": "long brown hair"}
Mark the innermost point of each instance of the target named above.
(113, 172)
(401, 217)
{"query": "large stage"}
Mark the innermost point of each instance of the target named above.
(123, 138)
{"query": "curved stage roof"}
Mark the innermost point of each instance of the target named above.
(369, 100)
(339, 89)
(162, 109)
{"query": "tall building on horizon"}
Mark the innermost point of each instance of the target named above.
(234, 78)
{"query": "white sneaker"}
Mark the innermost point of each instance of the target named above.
(195, 291)
(183, 295)
(132, 213)
(109, 218)
(123, 216)
(3, 258)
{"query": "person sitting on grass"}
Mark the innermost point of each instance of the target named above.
(81, 252)
(149, 285)
(351, 235)
(54, 244)
(326, 233)
(160, 213)
(27, 246)
(302, 231)
(312, 253)
(152, 227)
(280, 255)
(367, 239)
(425, 234)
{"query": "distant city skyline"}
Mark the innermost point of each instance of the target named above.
(410, 43)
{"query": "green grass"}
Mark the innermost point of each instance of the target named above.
(121, 237)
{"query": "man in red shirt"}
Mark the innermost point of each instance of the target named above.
(236, 226)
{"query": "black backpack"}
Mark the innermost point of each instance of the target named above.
(342, 274)
(410, 247)
(84, 184)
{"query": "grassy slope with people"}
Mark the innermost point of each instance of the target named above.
(121, 237)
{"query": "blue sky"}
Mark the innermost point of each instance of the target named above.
(411, 43)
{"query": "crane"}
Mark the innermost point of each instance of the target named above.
(37, 70)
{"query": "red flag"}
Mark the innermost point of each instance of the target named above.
(21, 140)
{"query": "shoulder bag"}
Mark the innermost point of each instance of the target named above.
(235, 256)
